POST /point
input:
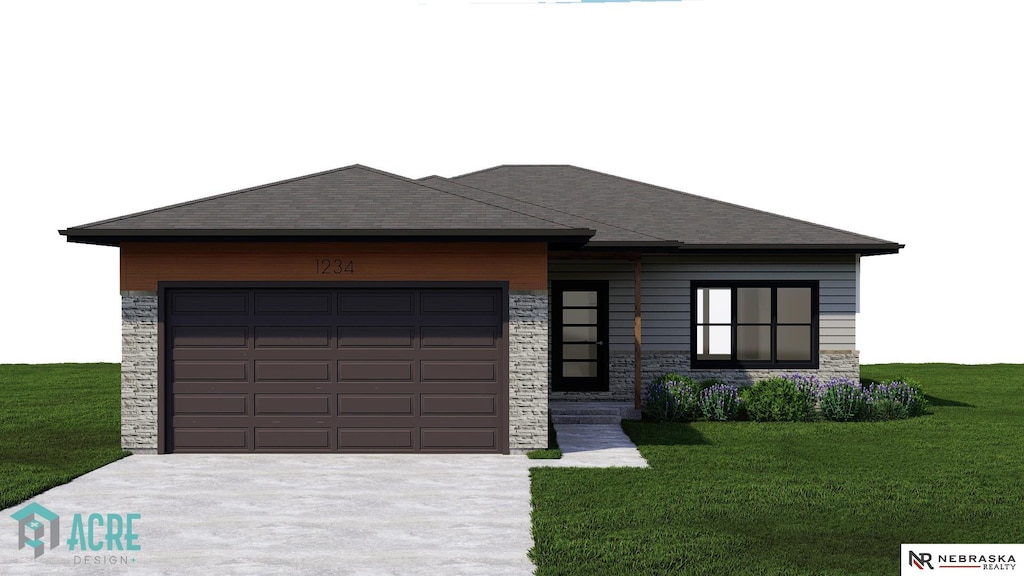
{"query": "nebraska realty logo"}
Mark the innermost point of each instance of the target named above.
(39, 530)
(965, 558)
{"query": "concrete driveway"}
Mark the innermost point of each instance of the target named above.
(262, 514)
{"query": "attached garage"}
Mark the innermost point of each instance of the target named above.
(359, 368)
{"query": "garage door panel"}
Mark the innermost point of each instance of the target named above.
(376, 438)
(459, 302)
(376, 336)
(458, 438)
(293, 371)
(210, 370)
(210, 403)
(209, 337)
(249, 388)
(305, 302)
(432, 371)
(292, 337)
(375, 404)
(376, 302)
(209, 303)
(460, 354)
(215, 438)
(289, 404)
(458, 404)
(338, 369)
(458, 336)
(311, 439)
(353, 370)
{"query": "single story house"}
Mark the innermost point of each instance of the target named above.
(355, 310)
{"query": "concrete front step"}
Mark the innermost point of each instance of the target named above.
(586, 418)
(586, 410)
(592, 412)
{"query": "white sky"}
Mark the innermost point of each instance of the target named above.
(897, 119)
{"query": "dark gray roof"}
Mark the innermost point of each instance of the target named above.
(563, 204)
(657, 212)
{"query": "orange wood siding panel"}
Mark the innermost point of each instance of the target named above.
(523, 265)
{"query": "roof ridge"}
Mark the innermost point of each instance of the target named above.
(507, 166)
(747, 208)
(217, 196)
(418, 183)
(588, 219)
(488, 203)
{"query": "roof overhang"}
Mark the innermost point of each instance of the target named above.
(866, 249)
(110, 237)
(671, 247)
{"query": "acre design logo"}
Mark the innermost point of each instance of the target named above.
(34, 523)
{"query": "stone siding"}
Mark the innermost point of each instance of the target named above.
(139, 352)
(832, 364)
(527, 370)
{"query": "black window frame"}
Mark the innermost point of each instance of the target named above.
(696, 363)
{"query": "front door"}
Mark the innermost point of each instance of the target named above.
(579, 312)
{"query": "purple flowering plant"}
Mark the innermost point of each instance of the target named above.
(720, 402)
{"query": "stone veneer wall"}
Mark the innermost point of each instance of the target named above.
(527, 370)
(139, 372)
(832, 364)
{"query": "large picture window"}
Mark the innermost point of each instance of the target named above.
(754, 324)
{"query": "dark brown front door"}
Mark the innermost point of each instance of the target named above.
(336, 370)
(579, 318)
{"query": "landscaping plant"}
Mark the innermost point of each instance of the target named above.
(719, 402)
(842, 400)
(672, 398)
(894, 400)
(775, 399)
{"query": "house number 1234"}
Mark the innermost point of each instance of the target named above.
(335, 266)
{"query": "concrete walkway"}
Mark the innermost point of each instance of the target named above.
(269, 514)
(594, 446)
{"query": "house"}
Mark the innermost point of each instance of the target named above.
(355, 310)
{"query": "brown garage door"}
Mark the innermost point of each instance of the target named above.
(336, 370)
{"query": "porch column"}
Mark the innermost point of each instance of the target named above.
(637, 349)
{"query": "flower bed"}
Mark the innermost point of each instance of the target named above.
(788, 398)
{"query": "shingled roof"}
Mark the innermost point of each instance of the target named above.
(559, 204)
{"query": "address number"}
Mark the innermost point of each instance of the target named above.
(335, 266)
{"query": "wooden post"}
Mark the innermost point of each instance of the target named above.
(637, 352)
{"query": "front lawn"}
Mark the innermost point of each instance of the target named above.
(798, 498)
(57, 422)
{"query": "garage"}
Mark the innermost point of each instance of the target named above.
(358, 368)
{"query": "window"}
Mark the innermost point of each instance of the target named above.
(754, 324)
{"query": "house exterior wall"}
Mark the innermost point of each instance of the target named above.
(665, 310)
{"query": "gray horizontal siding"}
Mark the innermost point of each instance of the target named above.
(666, 295)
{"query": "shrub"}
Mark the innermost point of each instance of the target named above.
(843, 400)
(775, 399)
(895, 400)
(810, 387)
(719, 402)
(672, 397)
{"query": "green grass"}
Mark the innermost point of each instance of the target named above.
(57, 422)
(553, 452)
(798, 498)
